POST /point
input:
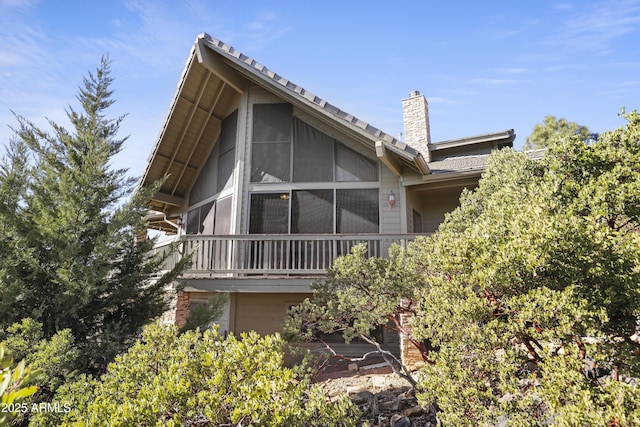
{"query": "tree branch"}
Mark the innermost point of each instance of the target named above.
(421, 347)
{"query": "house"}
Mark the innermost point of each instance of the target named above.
(269, 183)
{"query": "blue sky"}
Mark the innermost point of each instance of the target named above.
(483, 66)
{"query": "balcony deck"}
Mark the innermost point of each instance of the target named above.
(257, 255)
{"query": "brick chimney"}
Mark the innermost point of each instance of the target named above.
(415, 112)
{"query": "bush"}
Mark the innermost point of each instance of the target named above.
(197, 378)
(532, 295)
(12, 389)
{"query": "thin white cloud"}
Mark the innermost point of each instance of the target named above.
(10, 59)
(28, 71)
(442, 101)
(498, 82)
(629, 83)
(596, 27)
(17, 4)
(507, 34)
(563, 6)
(264, 29)
(510, 71)
(517, 70)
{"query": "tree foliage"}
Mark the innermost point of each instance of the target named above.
(172, 379)
(360, 296)
(52, 362)
(553, 128)
(12, 386)
(204, 314)
(70, 257)
(531, 289)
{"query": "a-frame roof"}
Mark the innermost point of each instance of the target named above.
(214, 77)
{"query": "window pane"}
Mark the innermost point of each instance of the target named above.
(206, 218)
(312, 212)
(200, 220)
(193, 219)
(357, 211)
(272, 122)
(217, 172)
(225, 169)
(223, 216)
(270, 162)
(228, 132)
(226, 160)
(352, 166)
(312, 154)
(269, 213)
(205, 185)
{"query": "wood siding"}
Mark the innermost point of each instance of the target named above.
(263, 313)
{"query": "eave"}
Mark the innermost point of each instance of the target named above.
(397, 160)
(205, 95)
(506, 136)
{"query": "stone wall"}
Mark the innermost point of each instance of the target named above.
(182, 308)
(415, 113)
(409, 354)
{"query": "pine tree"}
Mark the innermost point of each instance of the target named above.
(553, 128)
(70, 257)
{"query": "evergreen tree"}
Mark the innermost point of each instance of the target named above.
(552, 129)
(70, 256)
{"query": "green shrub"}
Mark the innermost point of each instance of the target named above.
(172, 379)
(532, 295)
(12, 389)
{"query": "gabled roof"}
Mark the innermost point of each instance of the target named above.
(461, 167)
(214, 76)
(506, 136)
(263, 75)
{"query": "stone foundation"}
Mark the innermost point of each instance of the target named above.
(409, 354)
(182, 308)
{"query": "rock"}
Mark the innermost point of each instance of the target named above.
(365, 395)
(400, 421)
(374, 409)
(383, 420)
(352, 367)
(414, 411)
(355, 389)
(408, 394)
(384, 400)
(592, 370)
(502, 421)
(505, 398)
(390, 404)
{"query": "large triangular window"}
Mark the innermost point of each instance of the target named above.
(287, 149)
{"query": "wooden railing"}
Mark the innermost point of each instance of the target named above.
(285, 254)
